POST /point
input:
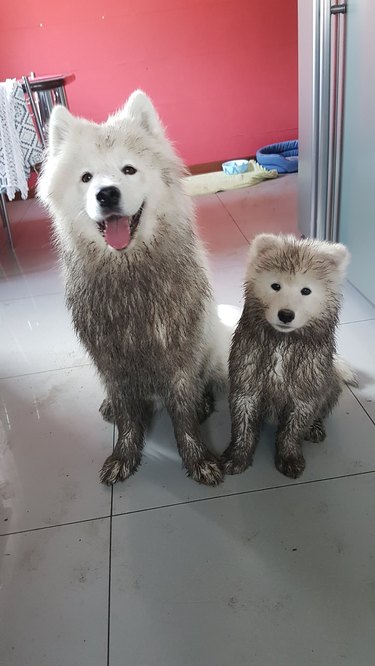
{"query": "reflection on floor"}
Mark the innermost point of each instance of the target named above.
(161, 571)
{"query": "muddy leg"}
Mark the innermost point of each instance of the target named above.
(200, 464)
(316, 432)
(245, 413)
(131, 420)
(207, 404)
(293, 426)
(106, 411)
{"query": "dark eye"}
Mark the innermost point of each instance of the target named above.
(86, 177)
(305, 291)
(275, 286)
(129, 170)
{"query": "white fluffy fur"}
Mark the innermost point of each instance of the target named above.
(333, 258)
(133, 136)
(77, 146)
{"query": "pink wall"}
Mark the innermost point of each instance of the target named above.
(223, 73)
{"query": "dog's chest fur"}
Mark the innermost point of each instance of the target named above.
(139, 316)
(281, 369)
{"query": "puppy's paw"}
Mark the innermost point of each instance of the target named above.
(207, 471)
(316, 432)
(234, 462)
(291, 465)
(106, 411)
(116, 469)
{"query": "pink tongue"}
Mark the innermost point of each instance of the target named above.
(117, 233)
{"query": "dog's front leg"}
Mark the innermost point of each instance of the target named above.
(245, 411)
(182, 404)
(293, 426)
(131, 420)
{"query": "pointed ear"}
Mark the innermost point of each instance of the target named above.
(338, 256)
(139, 107)
(60, 126)
(262, 244)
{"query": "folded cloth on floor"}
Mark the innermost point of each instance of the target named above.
(20, 148)
(219, 181)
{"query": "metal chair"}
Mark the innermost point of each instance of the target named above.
(42, 94)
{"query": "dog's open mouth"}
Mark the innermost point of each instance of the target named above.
(118, 230)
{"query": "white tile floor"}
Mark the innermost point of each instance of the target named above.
(161, 571)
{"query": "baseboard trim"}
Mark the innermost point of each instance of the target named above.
(212, 167)
(194, 170)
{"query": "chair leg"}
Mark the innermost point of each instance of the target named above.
(6, 222)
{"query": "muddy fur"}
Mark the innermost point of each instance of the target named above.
(145, 314)
(285, 372)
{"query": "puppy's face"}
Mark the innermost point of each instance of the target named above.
(297, 282)
(290, 301)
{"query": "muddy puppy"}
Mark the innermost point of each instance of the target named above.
(282, 363)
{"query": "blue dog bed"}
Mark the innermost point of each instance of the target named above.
(280, 156)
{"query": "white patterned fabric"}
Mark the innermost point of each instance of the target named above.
(20, 148)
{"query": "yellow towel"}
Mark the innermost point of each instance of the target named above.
(217, 181)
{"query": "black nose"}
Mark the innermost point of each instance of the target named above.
(109, 197)
(286, 316)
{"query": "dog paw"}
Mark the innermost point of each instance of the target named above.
(207, 471)
(316, 433)
(115, 469)
(232, 466)
(234, 463)
(291, 466)
(106, 411)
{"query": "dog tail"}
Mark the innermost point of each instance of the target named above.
(345, 371)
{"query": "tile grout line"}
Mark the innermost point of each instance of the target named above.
(361, 405)
(356, 321)
(243, 492)
(25, 208)
(25, 298)
(43, 372)
(185, 502)
(110, 562)
(52, 527)
(109, 580)
(360, 293)
(232, 218)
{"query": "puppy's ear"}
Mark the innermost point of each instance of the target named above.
(61, 124)
(140, 107)
(337, 255)
(262, 244)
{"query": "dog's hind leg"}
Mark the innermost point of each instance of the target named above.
(293, 426)
(106, 411)
(131, 420)
(316, 432)
(207, 404)
(182, 404)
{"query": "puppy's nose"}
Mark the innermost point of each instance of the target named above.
(286, 316)
(109, 197)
